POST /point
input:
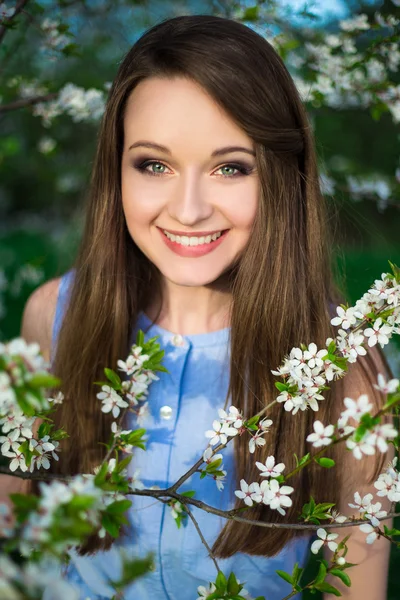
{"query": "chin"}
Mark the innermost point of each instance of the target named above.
(193, 278)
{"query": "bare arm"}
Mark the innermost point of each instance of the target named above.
(37, 325)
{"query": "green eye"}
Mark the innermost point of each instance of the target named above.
(158, 165)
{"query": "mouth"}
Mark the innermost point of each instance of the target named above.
(194, 240)
(193, 245)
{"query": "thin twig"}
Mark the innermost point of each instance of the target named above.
(195, 523)
(20, 5)
(27, 102)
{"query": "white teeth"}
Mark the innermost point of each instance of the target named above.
(185, 240)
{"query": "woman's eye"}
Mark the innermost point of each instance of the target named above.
(160, 169)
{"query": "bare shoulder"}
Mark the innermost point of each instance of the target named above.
(38, 315)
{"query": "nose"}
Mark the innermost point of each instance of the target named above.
(189, 204)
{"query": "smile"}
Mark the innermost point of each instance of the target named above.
(192, 240)
(191, 245)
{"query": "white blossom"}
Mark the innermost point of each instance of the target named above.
(360, 22)
(18, 459)
(209, 456)
(378, 435)
(176, 508)
(256, 440)
(204, 592)
(370, 530)
(111, 401)
(265, 424)
(276, 496)
(361, 504)
(325, 539)
(388, 484)
(355, 409)
(232, 418)
(345, 318)
(360, 448)
(374, 512)
(378, 333)
(6, 12)
(350, 345)
(134, 482)
(313, 356)
(386, 387)
(270, 469)
(321, 436)
(249, 493)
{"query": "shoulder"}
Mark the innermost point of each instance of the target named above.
(38, 315)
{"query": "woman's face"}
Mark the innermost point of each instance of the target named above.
(190, 188)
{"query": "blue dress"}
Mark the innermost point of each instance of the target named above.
(182, 406)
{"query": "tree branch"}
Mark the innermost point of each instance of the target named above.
(195, 523)
(20, 5)
(27, 102)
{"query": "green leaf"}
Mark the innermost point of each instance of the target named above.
(342, 544)
(326, 587)
(233, 587)
(323, 461)
(395, 270)
(221, 580)
(321, 574)
(139, 339)
(40, 380)
(101, 475)
(285, 576)
(81, 502)
(119, 507)
(282, 387)
(297, 573)
(110, 525)
(342, 575)
(113, 377)
(188, 494)
(121, 465)
(304, 459)
(391, 531)
(250, 14)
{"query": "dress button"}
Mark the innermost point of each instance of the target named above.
(165, 412)
(177, 340)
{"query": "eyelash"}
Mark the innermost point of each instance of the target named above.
(243, 170)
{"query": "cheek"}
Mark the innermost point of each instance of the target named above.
(241, 209)
(139, 207)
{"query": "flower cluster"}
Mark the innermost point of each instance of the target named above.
(388, 482)
(55, 36)
(21, 370)
(81, 105)
(228, 425)
(134, 389)
(38, 528)
(269, 491)
(307, 370)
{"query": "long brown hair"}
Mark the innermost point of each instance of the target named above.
(282, 286)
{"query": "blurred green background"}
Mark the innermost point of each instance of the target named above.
(44, 171)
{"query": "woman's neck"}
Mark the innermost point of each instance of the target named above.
(190, 310)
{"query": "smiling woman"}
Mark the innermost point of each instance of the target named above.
(205, 226)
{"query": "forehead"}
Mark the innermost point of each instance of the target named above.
(168, 110)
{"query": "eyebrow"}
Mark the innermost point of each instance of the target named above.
(217, 152)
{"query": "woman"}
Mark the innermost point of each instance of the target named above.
(206, 226)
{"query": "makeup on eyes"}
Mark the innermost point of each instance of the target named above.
(141, 164)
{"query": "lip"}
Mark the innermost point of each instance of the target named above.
(191, 233)
(192, 251)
